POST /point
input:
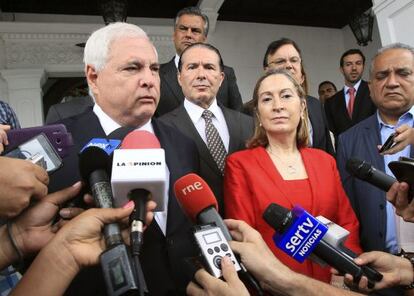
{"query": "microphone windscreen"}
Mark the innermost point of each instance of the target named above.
(358, 168)
(140, 140)
(194, 195)
(276, 216)
(93, 158)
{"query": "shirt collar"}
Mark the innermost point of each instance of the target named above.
(409, 115)
(176, 59)
(195, 111)
(109, 125)
(356, 86)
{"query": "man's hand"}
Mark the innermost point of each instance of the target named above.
(33, 229)
(20, 181)
(404, 136)
(395, 270)
(209, 285)
(3, 136)
(398, 196)
(254, 252)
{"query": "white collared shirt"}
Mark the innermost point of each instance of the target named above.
(176, 59)
(218, 120)
(109, 125)
(346, 94)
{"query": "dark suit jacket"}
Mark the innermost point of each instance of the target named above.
(240, 128)
(172, 96)
(320, 138)
(162, 257)
(68, 109)
(337, 113)
(368, 202)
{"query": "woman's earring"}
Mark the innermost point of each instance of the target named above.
(260, 124)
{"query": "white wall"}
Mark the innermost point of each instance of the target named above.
(395, 20)
(241, 44)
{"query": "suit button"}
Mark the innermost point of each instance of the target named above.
(170, 241)
(382, 206)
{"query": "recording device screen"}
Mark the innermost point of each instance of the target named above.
(211, 238)
(36, 147)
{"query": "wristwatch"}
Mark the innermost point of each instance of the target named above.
(410, 257)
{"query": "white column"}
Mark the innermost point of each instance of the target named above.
(395, 20)
(25, 94)
(211, 8)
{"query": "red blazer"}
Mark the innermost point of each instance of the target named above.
(252, 182)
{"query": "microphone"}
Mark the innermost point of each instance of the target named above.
(299, 234)
(117, 268)
(140, 149)
(139, 164)
(366, 172)
(200, 205)
(198, 202)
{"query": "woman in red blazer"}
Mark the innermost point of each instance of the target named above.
(279, 168)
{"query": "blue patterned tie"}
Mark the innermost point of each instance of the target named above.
(214, 142)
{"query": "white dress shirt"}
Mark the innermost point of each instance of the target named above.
(218, 120)
(109, 125)
(346, 94)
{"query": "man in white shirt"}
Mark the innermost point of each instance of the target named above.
(121, 68)
(200, 76)
(191, 26)
(353, 103)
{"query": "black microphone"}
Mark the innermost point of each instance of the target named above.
(116, 264)
(299, 235)
(366, 172)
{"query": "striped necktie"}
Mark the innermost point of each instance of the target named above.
(214, 142)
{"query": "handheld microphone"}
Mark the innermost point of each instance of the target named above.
(139, 173)
(200, 205)
(140, 164)
(299, 234)
(117, 268)
(198, 202)
(366, 172)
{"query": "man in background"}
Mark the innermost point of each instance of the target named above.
(326, 90)
(216, 130)
(351, 104)
(191, 26)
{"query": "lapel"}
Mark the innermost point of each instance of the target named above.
(371, 137)
(233, 125)
(175, 217)
(342, 108)
(183, 122)
(169, 73)
(82, 134)
(361, 94)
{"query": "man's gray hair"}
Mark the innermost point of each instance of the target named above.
(98, 45)
(193, 10)
(397, 45)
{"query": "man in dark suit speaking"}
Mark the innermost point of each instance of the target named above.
(200, 76)
(121, 68)
(191, 26)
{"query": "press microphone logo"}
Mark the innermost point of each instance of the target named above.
(196, 186)
(139, 163)
(107, 145)
(302, 237)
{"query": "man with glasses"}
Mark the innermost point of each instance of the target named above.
(284, 53)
